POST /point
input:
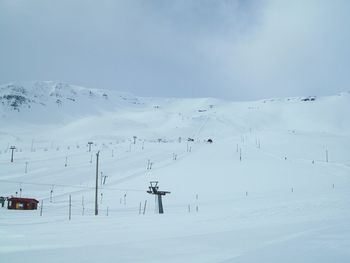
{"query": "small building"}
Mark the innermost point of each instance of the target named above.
(22, 203)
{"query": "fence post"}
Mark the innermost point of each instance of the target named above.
(82, 204)
(41, 208)
(144, 207)
(70, 207)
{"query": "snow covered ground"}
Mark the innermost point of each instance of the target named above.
(263, 191)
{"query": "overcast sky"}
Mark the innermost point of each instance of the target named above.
(235, 49)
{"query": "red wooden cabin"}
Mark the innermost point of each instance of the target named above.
(22, 203)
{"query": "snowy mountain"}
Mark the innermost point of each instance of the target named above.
(69, 109)
(275, 178)
(58, 100)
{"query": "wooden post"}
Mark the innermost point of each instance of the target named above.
(26, 169)
(107, 210)
(140, 209)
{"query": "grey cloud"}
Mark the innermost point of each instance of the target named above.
(231, 49)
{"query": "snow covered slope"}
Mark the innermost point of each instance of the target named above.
(273, 186)
(50, 109)
(60, 101)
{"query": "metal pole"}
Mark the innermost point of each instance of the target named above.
(90, 143)
(70, 207)
(160, 204)
(41, 208)
(96, 189)
(144, 207)
(82, 203)
(12, 149)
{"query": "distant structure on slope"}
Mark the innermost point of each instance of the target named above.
(153, 189)
(19, 203)
(2, 201)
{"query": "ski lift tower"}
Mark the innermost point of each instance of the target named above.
(153, 189)
(12, 149)
(89, 143)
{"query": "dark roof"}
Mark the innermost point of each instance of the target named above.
(20, 199)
